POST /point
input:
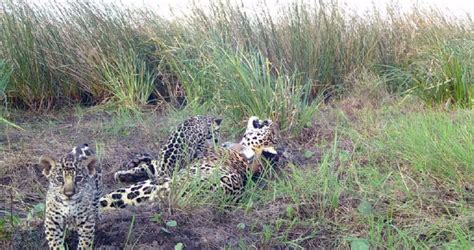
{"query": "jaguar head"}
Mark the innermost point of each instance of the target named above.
(71, 173)
(260, 136)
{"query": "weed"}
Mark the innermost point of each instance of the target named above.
(130, 230)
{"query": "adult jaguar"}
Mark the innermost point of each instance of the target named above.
(233, 164)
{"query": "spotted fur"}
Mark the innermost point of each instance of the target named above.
(233, 163)
(185, 144)
(72, 199)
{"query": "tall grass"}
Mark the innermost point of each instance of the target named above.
(64, 53)
(57, 53)
(5, 74)
(325, 42)
(240, 83)
(128, 80)
(441, 74)
(317, 40)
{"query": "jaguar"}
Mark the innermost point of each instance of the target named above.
(72, 198)
(233, 162)
(186, 143)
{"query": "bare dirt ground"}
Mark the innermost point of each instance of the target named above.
(116, 140)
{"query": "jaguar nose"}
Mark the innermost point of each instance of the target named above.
(68, 193)
(68, 190)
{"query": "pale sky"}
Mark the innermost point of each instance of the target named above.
(452, 7)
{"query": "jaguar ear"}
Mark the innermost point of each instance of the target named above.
(48, 164)
(267, 122)
(253, 123)
(90, 164)
(218, 121)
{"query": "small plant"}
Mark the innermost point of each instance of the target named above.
(267, 234)
(241, 226)
(36, 211)
(157, 218)
(171, 223)
(8, 222)
(179, 246)
(359, 244)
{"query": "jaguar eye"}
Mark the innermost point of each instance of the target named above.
(79, 178)
(60, 179)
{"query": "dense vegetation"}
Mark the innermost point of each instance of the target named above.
(389, 164)
(94, 53)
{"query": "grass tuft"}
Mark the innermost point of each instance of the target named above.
(242, 84)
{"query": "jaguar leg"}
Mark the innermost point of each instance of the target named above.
(54, 230)
(138, 159)
(142, 167)
(86, 233)
(137, 194)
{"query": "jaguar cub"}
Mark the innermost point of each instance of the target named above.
(75, 186)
